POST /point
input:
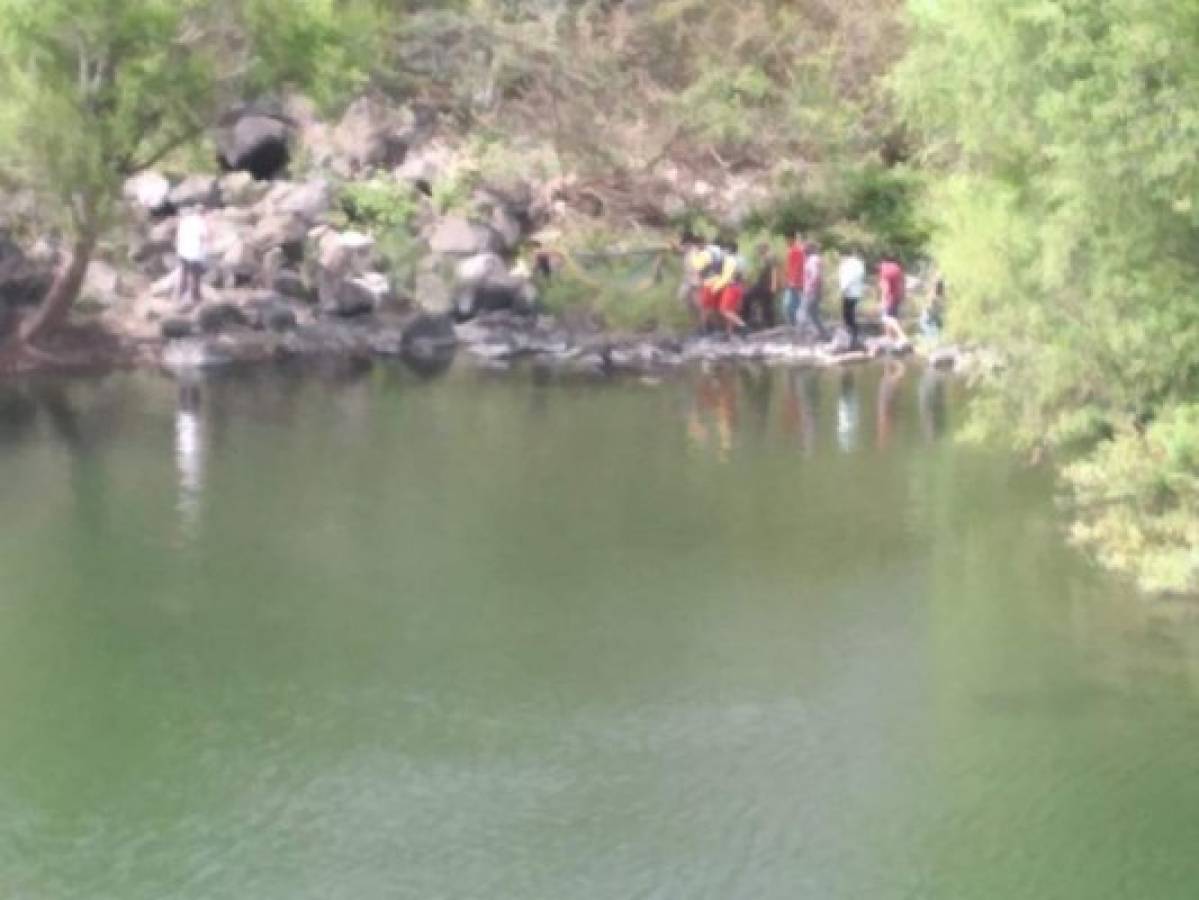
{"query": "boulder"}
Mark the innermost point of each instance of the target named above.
(256, 143)
(348, 297)
(148, 192)
(425, 167)
(457, 236)
(195, 190)
(310, 200)
(434, 287)
(241, 189)
(373, 134)
(216, 317)
(483, 284)
(176, 327)
(281, 230)
(268, 312)
(429, 344)
(290, 284)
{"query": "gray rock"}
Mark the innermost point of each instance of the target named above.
(240, 189)
(270, 313)
(374, 134)
(346, 297)
(290, 284)
(310, 200)
(195, 190)
(456, 236)
(176, 327)
(214, 318)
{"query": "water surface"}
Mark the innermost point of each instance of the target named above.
(744, 635)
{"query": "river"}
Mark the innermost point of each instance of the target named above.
(740, 635)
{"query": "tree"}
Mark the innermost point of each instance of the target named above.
(97, 90)
(1067, 138)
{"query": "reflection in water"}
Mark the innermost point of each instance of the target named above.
(848, 413)
(189, 455)
(713, 417)
(803, 400)
(893, 372)
(932, 404)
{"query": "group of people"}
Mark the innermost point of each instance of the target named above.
(721, 293)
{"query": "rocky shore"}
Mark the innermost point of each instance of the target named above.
(329, 241)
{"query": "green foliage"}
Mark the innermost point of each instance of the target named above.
(379, 204)
(95, 90)
(1066, 225)
(875, 208)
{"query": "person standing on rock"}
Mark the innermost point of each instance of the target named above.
(813, 290)
(731, 290)
(891, 290)
(691, 284)
(761, 295)
(851, 278)
(795, 277)
(191, 246)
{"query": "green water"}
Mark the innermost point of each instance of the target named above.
(484, 637)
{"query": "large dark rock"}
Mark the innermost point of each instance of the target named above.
(429, 344)
(270, 313)
(256, 143)
(214, 318)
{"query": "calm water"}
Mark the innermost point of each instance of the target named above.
(481, 637)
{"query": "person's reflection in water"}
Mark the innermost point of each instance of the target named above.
(932, 404)
(190, 452)
(799, 414)
(848, 413)
(715, 403)
(758, 384)
(893, 372)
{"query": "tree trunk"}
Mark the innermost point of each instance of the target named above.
(63, 290)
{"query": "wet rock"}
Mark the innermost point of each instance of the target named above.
(270, 313)
(176, 327)
(220, 316)
(353, 296)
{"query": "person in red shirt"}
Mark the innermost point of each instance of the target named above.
(793, 294)
(891, 291)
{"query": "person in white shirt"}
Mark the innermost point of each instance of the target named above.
(191, 246)
(813, 289)
(851, 277)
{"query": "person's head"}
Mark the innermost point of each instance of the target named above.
(812, 247)
(730, 246)
(797, 238)
(690, 240)
(763, 249)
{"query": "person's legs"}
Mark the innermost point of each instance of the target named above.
(849, 315)
(196, 272)
(791, 306)
(730, 308)
(811, 309)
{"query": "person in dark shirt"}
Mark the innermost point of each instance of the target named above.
(764, 287)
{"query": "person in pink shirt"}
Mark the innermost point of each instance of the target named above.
(891, 291)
